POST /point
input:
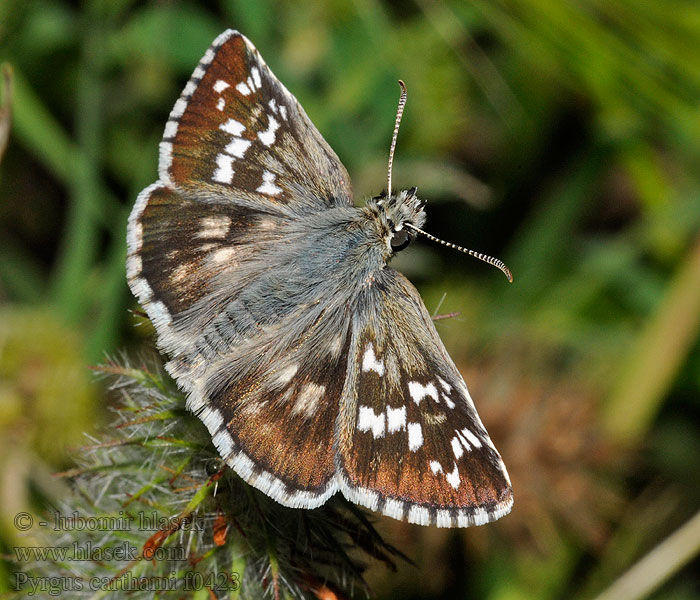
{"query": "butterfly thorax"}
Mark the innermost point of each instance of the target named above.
(393, 214)
(332, 254)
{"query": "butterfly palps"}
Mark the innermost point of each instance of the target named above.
(314, 365)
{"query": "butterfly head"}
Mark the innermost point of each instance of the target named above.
(397, 216)
(401, 216)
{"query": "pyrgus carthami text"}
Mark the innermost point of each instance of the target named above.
(314, 365)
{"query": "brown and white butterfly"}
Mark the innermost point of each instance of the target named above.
(314, 365)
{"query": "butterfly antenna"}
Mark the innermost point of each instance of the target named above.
(399, 114)
(485, 257)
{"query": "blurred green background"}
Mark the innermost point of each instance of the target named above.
(562, 137)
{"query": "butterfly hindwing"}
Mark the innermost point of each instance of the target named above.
(410, 443)
(236, 131)
(274, 405)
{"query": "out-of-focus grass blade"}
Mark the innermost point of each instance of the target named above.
(40, 132)
(79, 245)
(457, 35)
(646, 519)
(103, 336)
(657, 566)
(5, 107)
(659, 352)
(551, 226)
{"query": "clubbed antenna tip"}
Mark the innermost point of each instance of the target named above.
(485, 257)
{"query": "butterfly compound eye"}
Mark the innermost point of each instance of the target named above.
(400, 240)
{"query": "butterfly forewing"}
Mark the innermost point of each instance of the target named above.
(236, 131)
(411, 444)
(239, 158)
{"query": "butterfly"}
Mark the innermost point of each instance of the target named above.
(314, 365)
